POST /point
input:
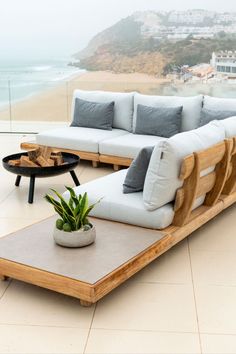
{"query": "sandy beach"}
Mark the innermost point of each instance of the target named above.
(54, 105)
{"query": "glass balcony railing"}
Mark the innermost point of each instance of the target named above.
(34, 106)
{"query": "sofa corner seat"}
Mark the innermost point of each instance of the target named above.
(127, 145)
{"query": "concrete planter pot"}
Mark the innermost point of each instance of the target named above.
(79, 238)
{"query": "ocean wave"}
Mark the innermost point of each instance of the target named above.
(24, 84)
(63, 75)
(41, 68)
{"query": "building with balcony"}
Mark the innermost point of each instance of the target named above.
(224, 63)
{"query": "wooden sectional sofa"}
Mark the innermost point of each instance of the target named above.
(220, 189)
(121, 145)
(194, 179)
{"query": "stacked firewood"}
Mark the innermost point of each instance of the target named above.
(39, 157)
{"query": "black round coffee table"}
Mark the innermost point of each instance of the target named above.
(71, 161)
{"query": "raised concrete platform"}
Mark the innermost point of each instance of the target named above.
(87, 273)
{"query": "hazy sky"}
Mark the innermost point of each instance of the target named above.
(52, 28)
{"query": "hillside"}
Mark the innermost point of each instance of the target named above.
(154, 43)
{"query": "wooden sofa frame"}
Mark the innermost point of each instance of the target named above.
(219, 187)
(96, 158)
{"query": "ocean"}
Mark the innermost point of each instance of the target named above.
(21, 79)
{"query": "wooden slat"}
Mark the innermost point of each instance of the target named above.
(228, 199)
(234, 146)
(115, 160)
(230, 184)
(47, 280)
(190, 188)
(186, 167)
(221, 171)
(208, 157)
(206, 183)
(211, 156)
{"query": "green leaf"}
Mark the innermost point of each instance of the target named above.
(51, 200)
(70, 220)
(72, 197)
(84, 205)
(75, 200)
(60, 212)
(90, 208)
(72, 192)
(64, 205)
(78, 222)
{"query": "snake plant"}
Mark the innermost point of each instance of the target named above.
(73, 213)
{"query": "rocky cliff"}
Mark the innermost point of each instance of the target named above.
(141, 43)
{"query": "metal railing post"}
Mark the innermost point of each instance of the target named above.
(10, 107)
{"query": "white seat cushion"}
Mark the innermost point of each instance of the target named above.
(127, 145)
(123, 109)
(162, 178)
(77, 138)
(127, 208)
(191, 107)
(230, 126)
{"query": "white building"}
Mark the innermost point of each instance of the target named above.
(190, 16)
(224, 62)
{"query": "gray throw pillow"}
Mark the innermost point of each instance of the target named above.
(207, 115)
(160, 121)
(135, 177)
(93, 115)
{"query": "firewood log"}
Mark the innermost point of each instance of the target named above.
(33, 154)
(45, 152)
(58, 160)
(14, 162)
(25, 162)
(44, 162)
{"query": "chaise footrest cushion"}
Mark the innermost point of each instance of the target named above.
(77, 138)
(126, 208)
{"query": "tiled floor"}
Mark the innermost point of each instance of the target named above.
(184, 302)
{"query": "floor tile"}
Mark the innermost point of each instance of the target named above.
(141, 342)
(9, 225)
(172, 267)
(88, 174)
(213, 268)
(30, 305)
(41, 340)
(16, 205)
(6, 188)
(216, 309)
(3, 286)
(218, 344)
(144, 306)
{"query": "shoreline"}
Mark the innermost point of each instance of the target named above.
(56, 83)
(54, 104)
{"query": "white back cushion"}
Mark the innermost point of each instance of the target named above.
(123, 114)
(219, 104)
(230, 126)
(162, 179)
(191, 107)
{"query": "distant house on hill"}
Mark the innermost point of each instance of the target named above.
(224, 62)
(202, 70)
